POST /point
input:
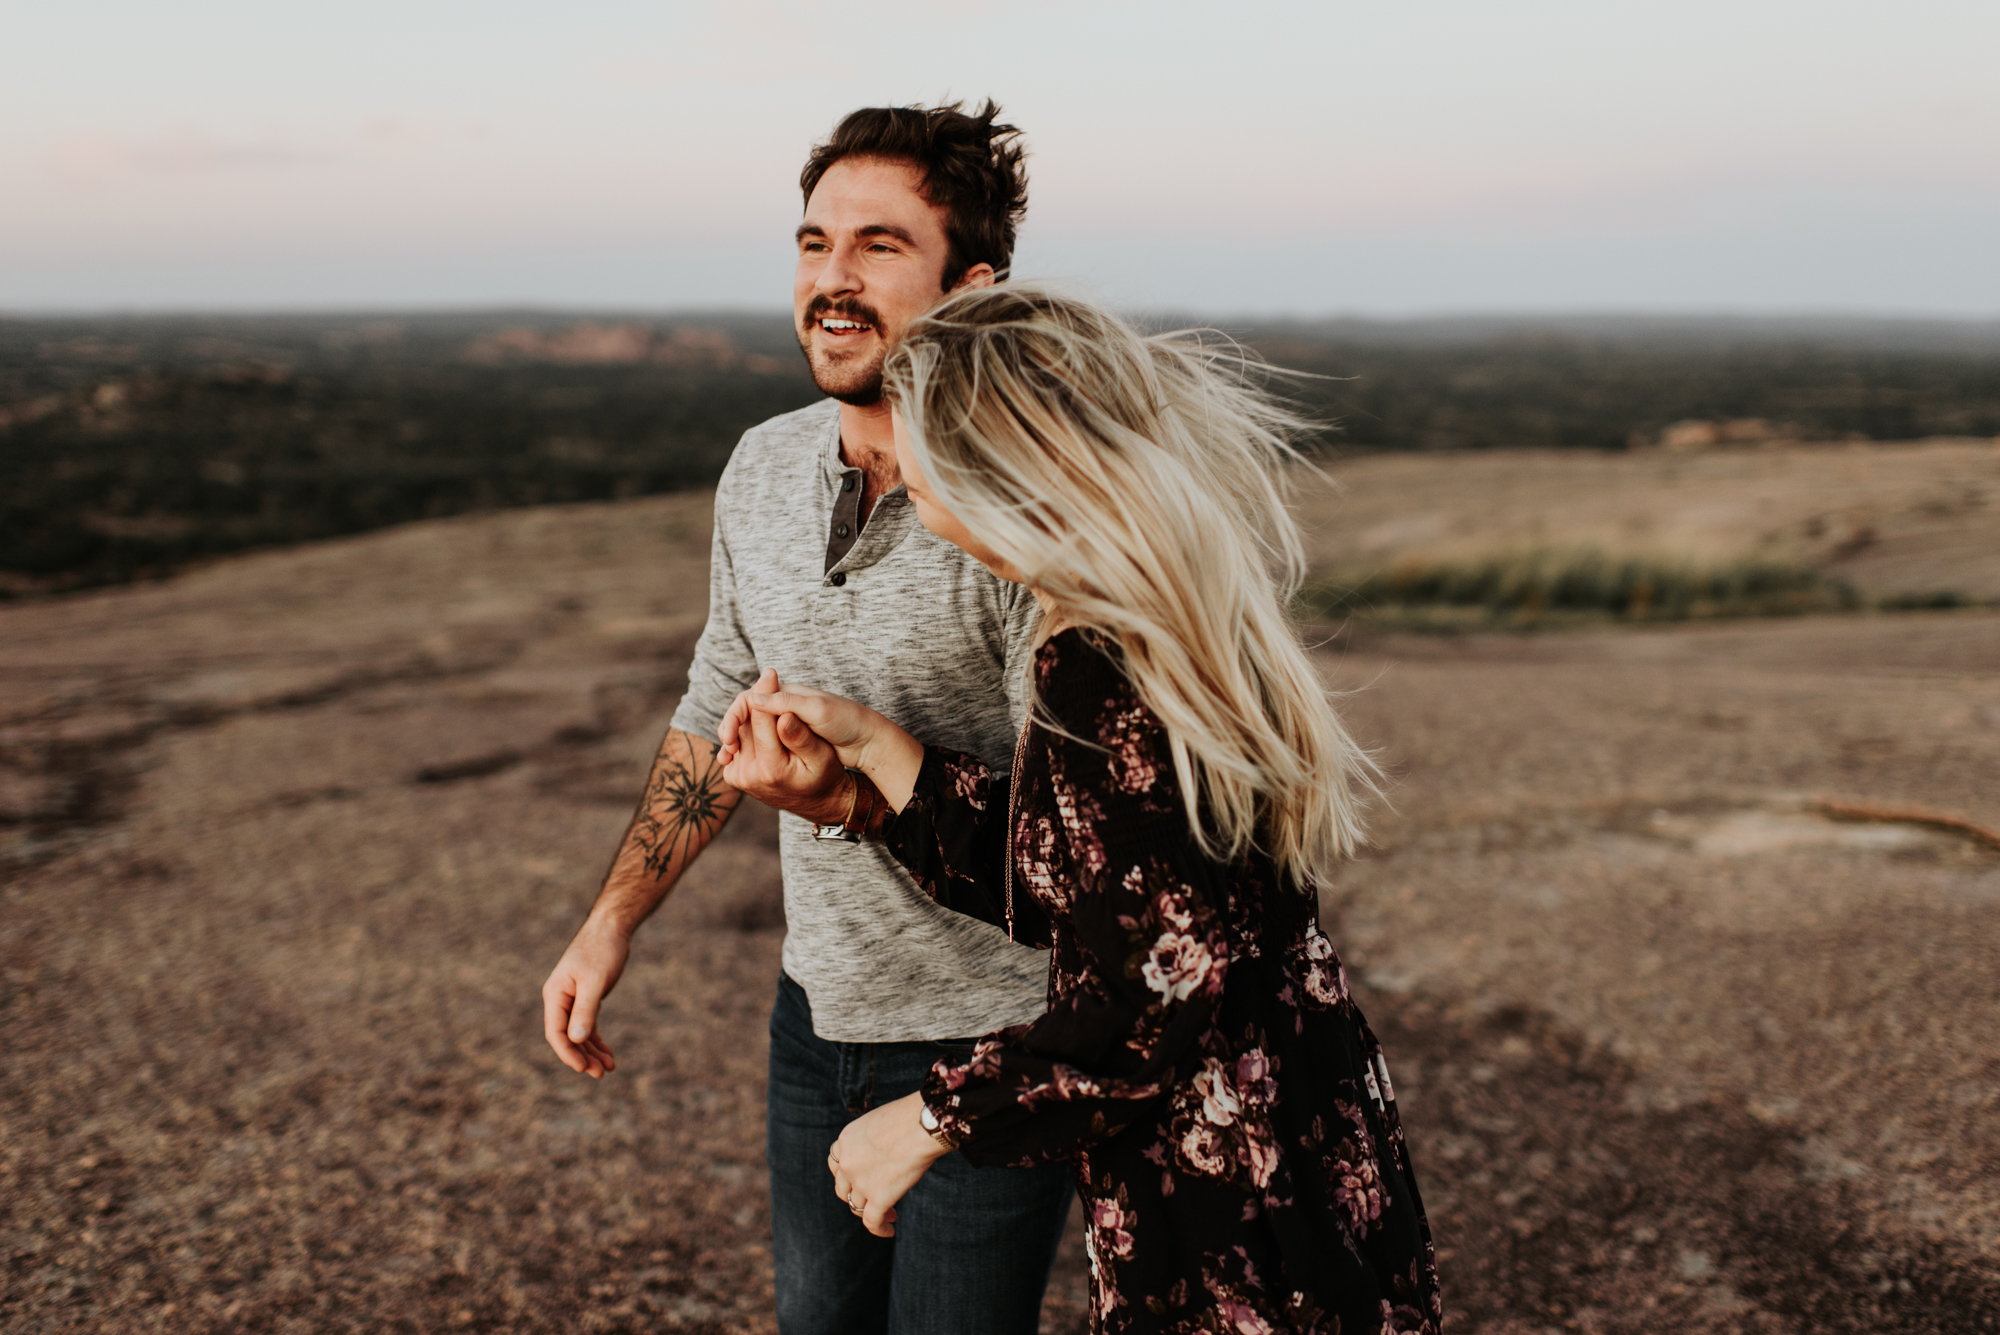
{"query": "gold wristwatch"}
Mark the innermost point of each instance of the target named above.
(928, 1120)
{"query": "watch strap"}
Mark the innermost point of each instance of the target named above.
(929, 1121)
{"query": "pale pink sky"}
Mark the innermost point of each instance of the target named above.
(1751, 155)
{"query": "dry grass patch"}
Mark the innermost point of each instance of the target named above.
(1529, 589)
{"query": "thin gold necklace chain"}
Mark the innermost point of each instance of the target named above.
(1013, 803)
(1020, 764)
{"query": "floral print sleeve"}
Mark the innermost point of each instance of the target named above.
(952, 838)
(1146, 950)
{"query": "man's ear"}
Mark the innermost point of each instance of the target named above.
(979, 275)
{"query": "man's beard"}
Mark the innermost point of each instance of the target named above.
(857, 383)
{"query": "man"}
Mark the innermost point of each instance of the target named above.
(822, 574)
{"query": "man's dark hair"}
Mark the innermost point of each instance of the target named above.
(972, 170)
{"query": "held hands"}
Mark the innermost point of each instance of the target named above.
(878, 1158)
(777, 760)
(774, 731)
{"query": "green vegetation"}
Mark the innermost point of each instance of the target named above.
(128, 448)
(1602, 384)
(1552, 588)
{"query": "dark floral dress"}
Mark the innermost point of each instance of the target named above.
(1201, 1065)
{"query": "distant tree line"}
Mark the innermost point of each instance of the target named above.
(1615, 385)
(129, 447)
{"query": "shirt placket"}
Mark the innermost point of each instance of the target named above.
(846, 529)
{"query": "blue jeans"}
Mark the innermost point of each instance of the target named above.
(973, 1246)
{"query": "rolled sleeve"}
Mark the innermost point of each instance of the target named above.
(724, 663)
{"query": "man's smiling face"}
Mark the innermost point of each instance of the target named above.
(872, 254)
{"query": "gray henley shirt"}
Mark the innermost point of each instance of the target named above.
(908, 624)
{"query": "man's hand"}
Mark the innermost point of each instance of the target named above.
(572, 996)
(796, 730)
(686, 802)
(879, 1157)
(781, 762)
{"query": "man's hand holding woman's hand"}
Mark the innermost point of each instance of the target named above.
(777, 760)
(770, 729)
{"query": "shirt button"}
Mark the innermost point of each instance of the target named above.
(847, 483)
(839, 578)
(840, 530)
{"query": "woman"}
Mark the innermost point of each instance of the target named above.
(1181, 790)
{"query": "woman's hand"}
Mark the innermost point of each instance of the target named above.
(862, 738)
(778, 760)
(879, 1157)
(841, 723)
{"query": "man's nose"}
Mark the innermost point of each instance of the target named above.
(840, 274)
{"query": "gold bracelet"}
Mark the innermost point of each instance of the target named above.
(840, 833)
(861, 830)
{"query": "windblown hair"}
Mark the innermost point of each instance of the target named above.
(1140, 482)
(973, 169)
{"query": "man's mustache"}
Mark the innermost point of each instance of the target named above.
(822, 307)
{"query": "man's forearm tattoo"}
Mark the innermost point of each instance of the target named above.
(683, 804)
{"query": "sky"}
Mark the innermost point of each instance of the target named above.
(1428, 157)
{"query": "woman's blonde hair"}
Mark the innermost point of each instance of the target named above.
(1140, 482)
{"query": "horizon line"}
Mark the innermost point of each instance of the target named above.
(1437, 315)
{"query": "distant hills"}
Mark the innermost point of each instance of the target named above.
(132, 445)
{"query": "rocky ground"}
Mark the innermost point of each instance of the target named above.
(289, 844)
